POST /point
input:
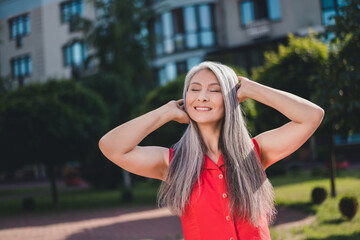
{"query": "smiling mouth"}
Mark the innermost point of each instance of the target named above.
(203, 108)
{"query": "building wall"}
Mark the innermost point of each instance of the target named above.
(45, 41)
(55, 35)
(296, 15)
(32, 44)
(168, 5)
(231, 34)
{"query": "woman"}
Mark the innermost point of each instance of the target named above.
(214, 177)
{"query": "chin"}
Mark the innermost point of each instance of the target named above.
(200, 120)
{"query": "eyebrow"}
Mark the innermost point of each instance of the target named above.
(197, 83)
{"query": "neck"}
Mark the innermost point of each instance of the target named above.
(210, 134)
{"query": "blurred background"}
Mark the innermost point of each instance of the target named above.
(70, 71)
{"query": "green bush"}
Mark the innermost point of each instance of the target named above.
(293, 68)
(348, 207)
(318, 195)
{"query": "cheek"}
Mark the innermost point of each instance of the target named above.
(220, 102)
(189, 98)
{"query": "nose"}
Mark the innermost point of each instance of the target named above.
(202, 97)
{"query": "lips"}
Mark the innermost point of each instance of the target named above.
(202, 108)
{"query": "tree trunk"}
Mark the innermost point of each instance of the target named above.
(332, 165)
(127, 179)
(54, 192)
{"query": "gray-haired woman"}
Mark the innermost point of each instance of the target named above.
(214, 176)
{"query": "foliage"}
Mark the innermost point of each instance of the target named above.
(318, 195)
(347, 22)
(50, 122)
(108, 178)
(294, 68)
(117, 95)
(5, 85)
(118, 41)
(171, 132)
(118, 51)
(339, 87)
(349, 207)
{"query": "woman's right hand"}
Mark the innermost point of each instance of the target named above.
(178, 112)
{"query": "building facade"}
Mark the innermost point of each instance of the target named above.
(230, 31)
(36, 39)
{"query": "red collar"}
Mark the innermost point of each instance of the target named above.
(209, 164)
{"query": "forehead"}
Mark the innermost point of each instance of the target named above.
(204, 76)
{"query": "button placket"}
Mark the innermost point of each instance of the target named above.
(224, 196)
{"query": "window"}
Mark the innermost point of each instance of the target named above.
(171, 70)
(21, 66)
(191, 27)
(184, 28)
(181, 67)
(331, 8)
(102, 8)
(191, 62)
(71, 8)
(74, 54)
(252, 10)
(19, 26)
(205, 26)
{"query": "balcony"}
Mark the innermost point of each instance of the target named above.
(258, 29)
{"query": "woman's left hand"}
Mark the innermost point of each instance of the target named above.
(241, 92)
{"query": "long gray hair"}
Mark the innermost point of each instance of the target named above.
(250, 192)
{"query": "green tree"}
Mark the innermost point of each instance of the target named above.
(118, 43)
(118, 97)
(5, 85)
(338, 89)
(50, 123)
(294, 68)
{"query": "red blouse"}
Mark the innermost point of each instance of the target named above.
(206, 216)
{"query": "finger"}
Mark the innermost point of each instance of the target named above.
(180, 102)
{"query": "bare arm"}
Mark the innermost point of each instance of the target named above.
(120, 144)
(305, 118)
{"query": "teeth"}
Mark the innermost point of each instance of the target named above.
(203, 108)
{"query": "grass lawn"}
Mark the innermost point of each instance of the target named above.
(144, 193)
(294, 190)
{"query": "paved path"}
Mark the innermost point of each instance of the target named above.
(110, 224)
(140, 223)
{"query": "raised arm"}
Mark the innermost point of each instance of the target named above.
(305, 118)
(120, 144)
